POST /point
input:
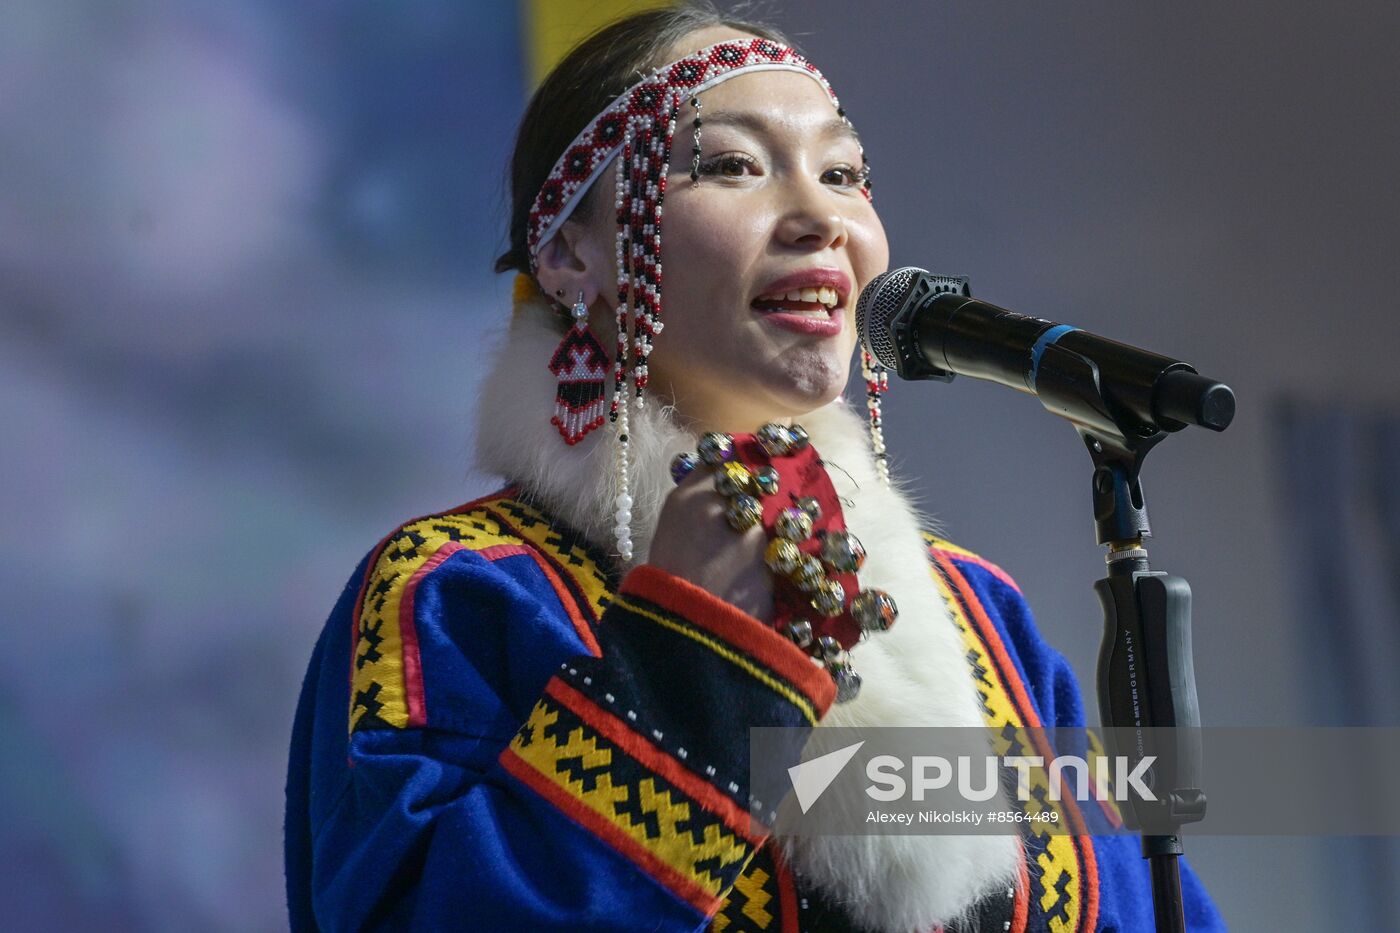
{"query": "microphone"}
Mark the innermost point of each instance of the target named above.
(926, 326)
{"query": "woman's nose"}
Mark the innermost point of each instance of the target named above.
(811, 221)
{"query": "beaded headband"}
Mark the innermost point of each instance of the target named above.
(653, 99)
(639, 126)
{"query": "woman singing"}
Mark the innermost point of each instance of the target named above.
(531, 712)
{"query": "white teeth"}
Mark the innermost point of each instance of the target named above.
(825, 295)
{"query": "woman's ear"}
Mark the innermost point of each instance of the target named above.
(582, 254)
(571, 262)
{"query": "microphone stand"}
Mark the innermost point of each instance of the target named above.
(1122, 408)
(1145, 675)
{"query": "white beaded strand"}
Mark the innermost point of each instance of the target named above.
(623, 530)
(876, 380)
(621, 404)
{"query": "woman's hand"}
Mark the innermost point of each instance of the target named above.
(695, 542)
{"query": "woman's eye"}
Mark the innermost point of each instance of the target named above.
(729, 165)
(843, 175)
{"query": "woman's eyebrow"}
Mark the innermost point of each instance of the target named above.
(756, 123)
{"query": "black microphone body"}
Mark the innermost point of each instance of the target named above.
(927, 326)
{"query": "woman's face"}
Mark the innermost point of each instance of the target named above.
(778, 218)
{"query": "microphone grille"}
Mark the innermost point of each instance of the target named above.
(878, 303)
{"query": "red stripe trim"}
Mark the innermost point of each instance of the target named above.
(498, 551)
(570, 599)
(567, 598)
(787, 891)
(680, 885)
(991, 639)
(408, 635)
(1089, 916)
(656, 759)
(707, 611)
(982, 562)
(374, 562)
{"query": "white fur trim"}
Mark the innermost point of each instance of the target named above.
(913, 675)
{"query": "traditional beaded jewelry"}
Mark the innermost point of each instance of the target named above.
(637, 129)
(622, 532)
(695, 149)
(816, 568)
(877, 383)
(580, 364)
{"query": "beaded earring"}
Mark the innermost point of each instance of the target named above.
(580, 365)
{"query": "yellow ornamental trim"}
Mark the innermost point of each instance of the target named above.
(378, 687)
(605, 780)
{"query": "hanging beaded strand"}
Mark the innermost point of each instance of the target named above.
(695, 148)
(648, 315)
(622, 531)
(639, 185)
(621, 401)
(623, 204)
(877, 382)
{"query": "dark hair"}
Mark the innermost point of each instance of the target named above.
(589, 78)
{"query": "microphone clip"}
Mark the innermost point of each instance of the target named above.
(904, 327)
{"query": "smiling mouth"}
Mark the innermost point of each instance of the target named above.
(808, 302)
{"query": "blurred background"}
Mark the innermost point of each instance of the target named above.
(245, 256)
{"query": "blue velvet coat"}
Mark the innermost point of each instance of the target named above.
(496, 733)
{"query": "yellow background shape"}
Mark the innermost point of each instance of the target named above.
(553, 27)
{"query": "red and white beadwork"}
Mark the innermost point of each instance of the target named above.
(581, 367)
(653, 99)
(877, 383)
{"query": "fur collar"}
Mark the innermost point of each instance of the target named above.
(915, 674)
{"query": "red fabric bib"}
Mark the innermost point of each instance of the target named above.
(801, 474)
